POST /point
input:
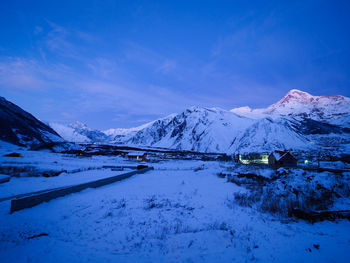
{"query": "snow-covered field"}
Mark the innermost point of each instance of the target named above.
(34, 170)
(179, 212)
(24, 185)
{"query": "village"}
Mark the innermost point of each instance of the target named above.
(275, 159)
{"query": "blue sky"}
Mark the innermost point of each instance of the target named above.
(124, 63)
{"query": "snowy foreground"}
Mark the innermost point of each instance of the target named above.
(180, 212)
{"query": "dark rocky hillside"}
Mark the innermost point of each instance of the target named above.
(21, 128)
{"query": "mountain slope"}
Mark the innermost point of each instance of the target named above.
(197, 129)
(216, 130)
(266, 135)
(123, 134)
(299, 121)
(299, 104)
(78, 132)
(295, 122)
(21, 128)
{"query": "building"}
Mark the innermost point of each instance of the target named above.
(252, 158)
(282, 158)
(138, 156)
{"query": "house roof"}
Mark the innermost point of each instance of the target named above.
(279, 154)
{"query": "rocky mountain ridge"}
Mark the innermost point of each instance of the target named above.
(21, 128)
(299, 121)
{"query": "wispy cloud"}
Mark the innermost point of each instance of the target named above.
(64, 42)
(167, 66)
(103, 67)
(107, 84)
(56, 39)
(38, 30)
(135, 83)
(141, 55)
(22, 74)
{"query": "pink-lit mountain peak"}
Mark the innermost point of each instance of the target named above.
(297, 98)
(333, 109)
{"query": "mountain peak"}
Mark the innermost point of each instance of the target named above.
(296, 97)
(243, 109)
(297, 92)
(78, 125)
(199, 109)
(293, 98)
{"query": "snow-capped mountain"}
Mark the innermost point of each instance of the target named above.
(299, 121)
(197, 129)
(21, 128)
(124, 134)
(78, 132)
(300, 104)
(217, 130)
(267, 134)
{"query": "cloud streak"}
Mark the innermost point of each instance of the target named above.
(22, 74)
(118, 70)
